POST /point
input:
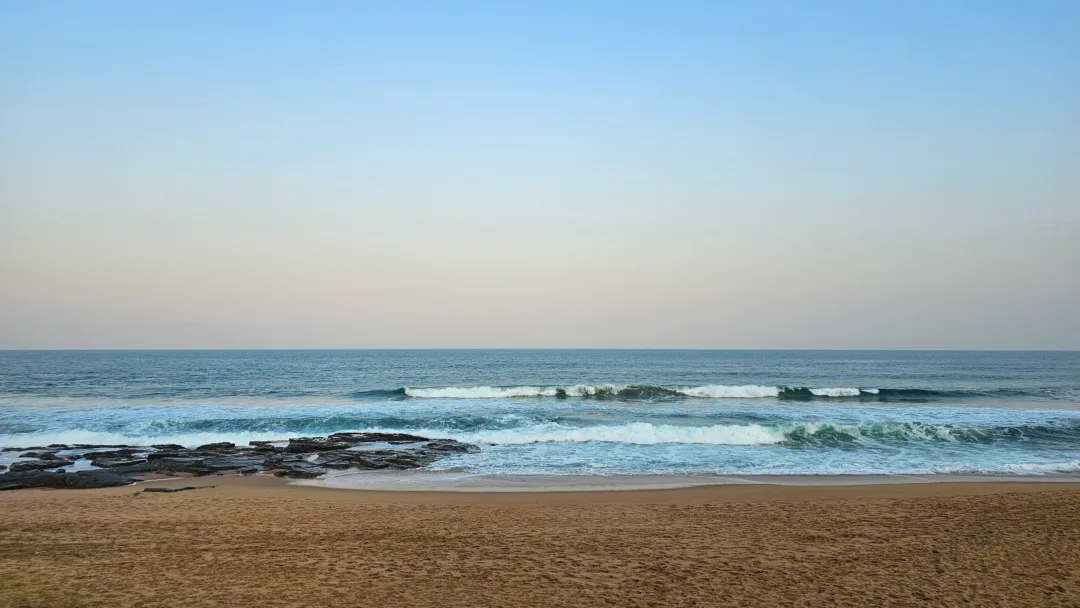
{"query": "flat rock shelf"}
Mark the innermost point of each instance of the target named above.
(101, 466)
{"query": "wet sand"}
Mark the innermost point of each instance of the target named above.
(445, 481)
(260, 542)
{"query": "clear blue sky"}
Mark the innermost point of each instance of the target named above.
(695, 174)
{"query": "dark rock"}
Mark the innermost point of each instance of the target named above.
(58, 446)
(43, 455)
(395, 437)
(97, 479)
(335, 462)
(76, 480)
(113, 454)
(376, 452)
(195, 466)
(425, 456)
(283, 461)
(212, 447)
(170, 490)
(93, 446)
(36, 465)
(108, 463)
(3, 467)
(305, 470)
(225, 463)
(451, 445)
(370, 463)
(134, 469)
(11, 450)
(348, 437)
(314, 444)
(169, 454)
(302, 457)
(373, 437)
(403, 462)
(331, 460)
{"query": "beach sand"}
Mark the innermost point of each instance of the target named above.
(259, 542)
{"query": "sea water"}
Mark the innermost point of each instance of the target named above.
(578, 412)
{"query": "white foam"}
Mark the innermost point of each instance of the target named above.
(710, 391)
(719, 391)
(641, 433)
(835, 392)
(1067, 466)
(583, 390)
(480, 392)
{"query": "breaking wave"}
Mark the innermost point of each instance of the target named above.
(790, 434)
(710, 391)
(641, 433)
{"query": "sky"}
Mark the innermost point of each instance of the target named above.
(744, 174)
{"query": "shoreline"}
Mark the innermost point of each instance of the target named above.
(268, 486)
(444, 481)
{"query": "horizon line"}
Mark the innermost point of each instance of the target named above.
(525, 348)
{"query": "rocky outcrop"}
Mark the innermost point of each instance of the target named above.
(133, 469)
(37, 465)
(370, 463)
(113, 454)
(227, 463)
(303, 457)
(42, 455)
(47, 479)
(179, 464)
(216, 447)
(315, 444)
(305, 470)
(452, 446)
(108, 463)
(354, 438)
(180, 453)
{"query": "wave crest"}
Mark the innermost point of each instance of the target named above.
(789, 434)
(479, 392)
(803, 434)
(710, 391)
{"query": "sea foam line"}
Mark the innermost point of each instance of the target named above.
(712, 391)
(640, 433)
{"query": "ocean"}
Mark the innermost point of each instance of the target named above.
(578, 412)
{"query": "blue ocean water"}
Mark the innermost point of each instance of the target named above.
(578, 411)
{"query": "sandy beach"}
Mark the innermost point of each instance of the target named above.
(259, 541)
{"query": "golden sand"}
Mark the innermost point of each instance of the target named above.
(260, 542)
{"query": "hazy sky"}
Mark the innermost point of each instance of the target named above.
(546, 174)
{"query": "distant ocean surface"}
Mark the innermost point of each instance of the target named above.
(578, 412)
